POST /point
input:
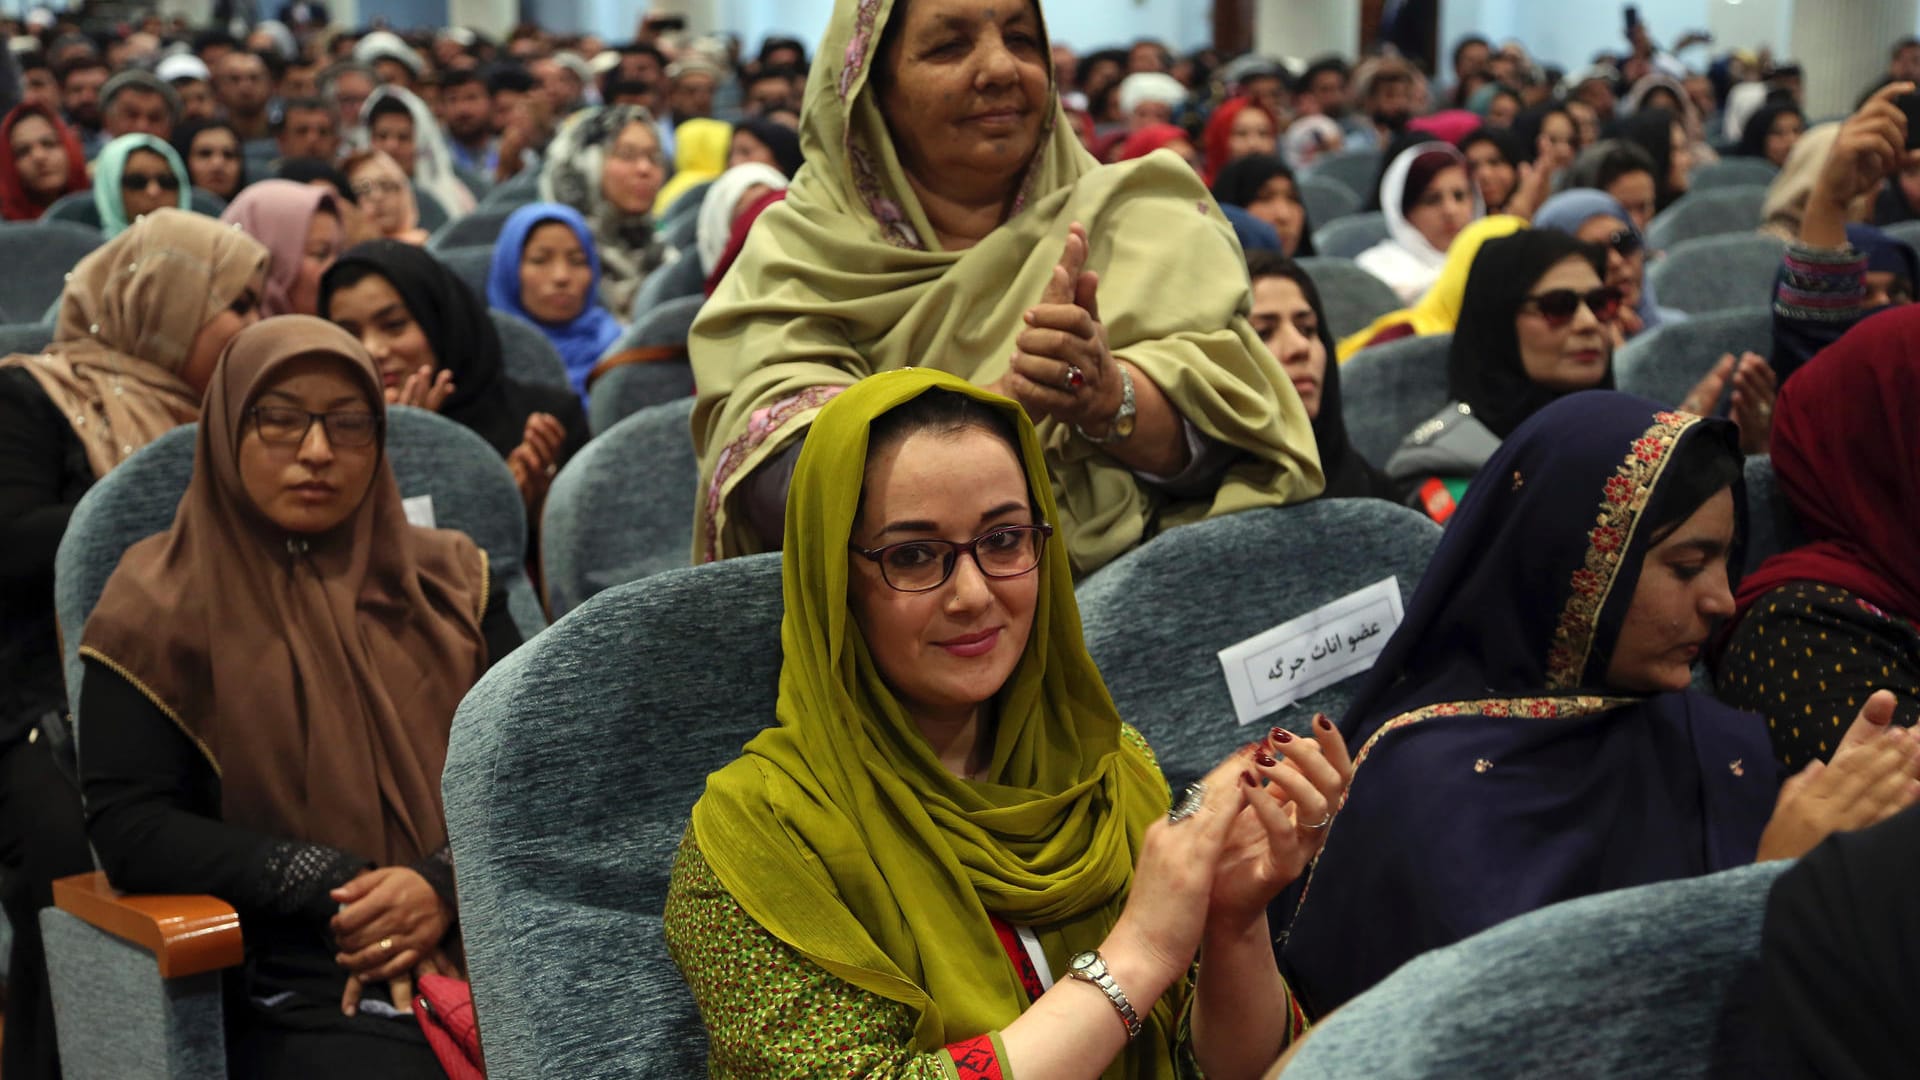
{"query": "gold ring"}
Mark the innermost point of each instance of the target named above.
(386, 944)
(1323, 824)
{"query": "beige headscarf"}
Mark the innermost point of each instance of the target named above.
(128, 318)
(318, 674)
(845, 278)
(1787, 196)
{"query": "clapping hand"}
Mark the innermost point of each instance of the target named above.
(1284, 824)
(1873, 775)
(1061, 367)
(534, 462)
(1754, 390)
(423, 389)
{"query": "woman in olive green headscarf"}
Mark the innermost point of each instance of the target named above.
(933, 225)
(949, 817)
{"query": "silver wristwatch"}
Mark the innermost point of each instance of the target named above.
(1088, 967)
(1122, 424)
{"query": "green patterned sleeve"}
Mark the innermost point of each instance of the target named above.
(771, 1013)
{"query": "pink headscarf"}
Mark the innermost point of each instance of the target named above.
(278, 213)
(1450, 125)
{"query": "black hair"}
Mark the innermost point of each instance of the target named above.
(388, 106)
(1699, 469)
(941, 410)
(1599, 165)
(1086, 65)
(1321, 67)
(780, 71)
(207, 39)
(773, 44)
(79, 63)
(294, 105)
(275, 64)
(619, 88)
(509, 80)
(642, 48)
(1461, 46)
(307, 170)
(457, 77)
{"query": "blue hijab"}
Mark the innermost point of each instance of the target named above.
(581, 341)
(1495, 772)
(1572, 208)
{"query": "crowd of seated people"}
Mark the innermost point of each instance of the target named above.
(968, 316)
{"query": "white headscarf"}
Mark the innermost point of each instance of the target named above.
(432, 160)
(722, 199)
(1405, 260)
(1145, 86)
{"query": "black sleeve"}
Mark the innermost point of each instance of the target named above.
(153, 815)
(38, 484)
(502, 634)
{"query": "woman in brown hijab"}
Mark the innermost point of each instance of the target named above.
(269, 688)
(142, 321)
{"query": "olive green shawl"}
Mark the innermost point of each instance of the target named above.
(839, 831)
(844, 278)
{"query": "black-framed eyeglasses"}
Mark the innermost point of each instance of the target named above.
(1559, 305)
(1624, 242)
(921, 565)
(281, 425)
(134, 181)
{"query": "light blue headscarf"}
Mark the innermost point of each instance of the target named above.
(112, 164)
(581, 341)
(1572, 208)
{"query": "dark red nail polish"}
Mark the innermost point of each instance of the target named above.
(1323, 723)
(1282, 735)
(1249, 779)
(1264, 758)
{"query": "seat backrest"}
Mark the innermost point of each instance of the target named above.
(1356, 169)
(433, 214)
(477, 229)
(469, 264)
(206, 202)
(1347, 237)
(1352, 296)
(1156, 618)
(1326, 200)
(1772, 526)
(677, 279)
(75, 208)
(1717, 273)
(681, 230)
(1732, 172)
(573, 767)
(518, 190)
(472, 492)
(1908, 231)
(1388, 390)
(1708, 213)
(1569, 990)
(1665, 363)
(687, 205)
(527, 354)
(37, 256)
(631, 387)
(30, 337)
(623, 508)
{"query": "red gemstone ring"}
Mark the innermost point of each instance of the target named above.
(1075, 378)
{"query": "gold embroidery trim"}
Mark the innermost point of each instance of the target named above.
(119, 669)
(1621, 505)
(486, 584)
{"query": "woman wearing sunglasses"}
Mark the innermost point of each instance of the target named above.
(950, 850)
(1534, 327)
(135, 175)
(1593, 216)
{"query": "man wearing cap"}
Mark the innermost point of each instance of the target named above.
(1150, 97)
(190, 79)
(136, 102)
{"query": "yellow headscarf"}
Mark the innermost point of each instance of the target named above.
(1438, 309)
(840, 832)
(700, 149)
(846, 277)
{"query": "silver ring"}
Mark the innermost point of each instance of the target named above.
(551, 469)
(1328, 821)
(1075, 378)
(1189, 803)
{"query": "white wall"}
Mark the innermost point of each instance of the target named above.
(1304, 29)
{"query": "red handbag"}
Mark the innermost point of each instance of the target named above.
(444, 1007)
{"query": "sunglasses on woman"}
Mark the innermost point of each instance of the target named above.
(134, 181)
(1559, 305)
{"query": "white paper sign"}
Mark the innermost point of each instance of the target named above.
(1270, 671)
(419, 510)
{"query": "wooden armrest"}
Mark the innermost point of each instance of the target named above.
(187, 935)
(643, 354)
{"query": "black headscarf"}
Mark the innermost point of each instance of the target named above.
(1528, 125)
(779, 138)
(1753, 137)
(1349, 476)
(1484, 368)
(1509, 144)
(1652, 130)
(307, 170)
(1239, 185)
(189, 130)
(464, 342)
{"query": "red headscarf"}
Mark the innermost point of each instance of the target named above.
(737, 236)
(1847, 455)
(1218, 137)
(16, 202)
(1148, 139)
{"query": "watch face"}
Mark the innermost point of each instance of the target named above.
(1123, 427)
(1083, 961)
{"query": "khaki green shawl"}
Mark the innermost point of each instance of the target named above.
(839, 831)
(844, 278)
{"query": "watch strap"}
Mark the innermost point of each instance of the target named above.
(1127, 410)
(1097, 974)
